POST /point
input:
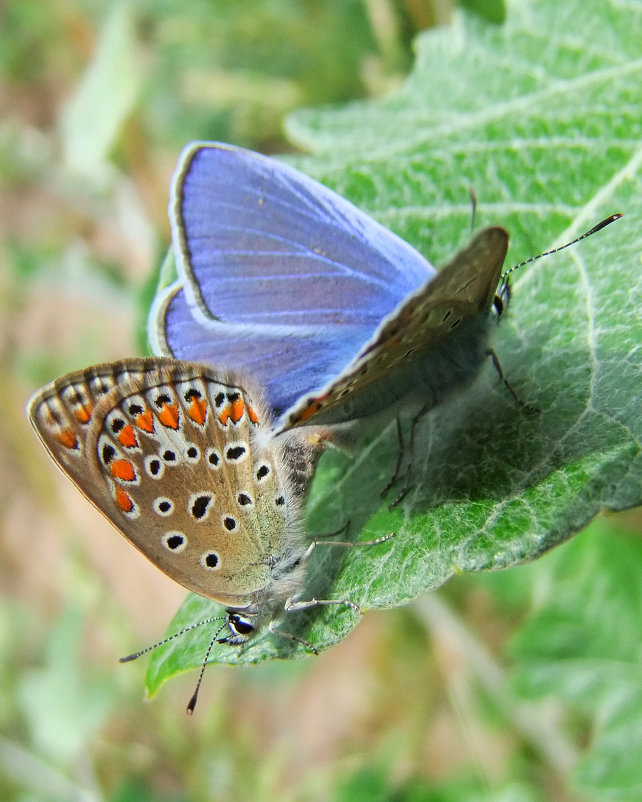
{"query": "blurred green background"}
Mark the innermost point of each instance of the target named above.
(487, 690)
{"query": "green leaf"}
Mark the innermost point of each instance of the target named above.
(106, 95)
(582, 646)
(541, 117)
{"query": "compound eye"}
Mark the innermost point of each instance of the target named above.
(240, 625)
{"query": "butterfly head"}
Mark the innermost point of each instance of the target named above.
(502, 298)
(267, 604)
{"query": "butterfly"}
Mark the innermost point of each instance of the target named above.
(170, 452)
(167, 452)
(335, 315)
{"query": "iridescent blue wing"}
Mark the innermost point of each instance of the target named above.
(277, 274)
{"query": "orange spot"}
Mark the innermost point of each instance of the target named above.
(224, 415)
(83, 413)
(145, 421)
(310, 411)
(198, 411)
(237, 409)
(168, 416)
(121, 469)
(123, 500)
(127, 437)
(67, 438)
(252, 415)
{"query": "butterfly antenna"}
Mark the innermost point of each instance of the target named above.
(192, 702)
(473, 204)
(136, 655)
(607, 221)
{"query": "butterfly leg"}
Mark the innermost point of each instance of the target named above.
(289, 636)
(411, 450)
(346, 544)
(395, 474)
(292, 606)
(296, 606)
(500, 372)
(343, 528)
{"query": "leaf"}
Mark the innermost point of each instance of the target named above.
(582, 645)
(541, 117)
(105, 96)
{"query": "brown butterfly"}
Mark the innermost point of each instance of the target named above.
(170, 452)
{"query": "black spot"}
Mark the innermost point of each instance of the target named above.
(447, 315)
(109, 452)
(165, 506)
(192, 452)
(117, 425)
(243, 499)
(455, 324)
(229, 523)
(175, 541)
(232, 397)
(211, 559)
(162, 399)
(200, 505)
(76, 397)
(279, 501)
(154, 467)
(262, 472)
(234, 452)
(220, 399)
(135, 410)
(169, 456)
(101, 389)
(213, 458)
(192, 393)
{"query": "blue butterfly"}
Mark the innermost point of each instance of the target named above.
(335, 315)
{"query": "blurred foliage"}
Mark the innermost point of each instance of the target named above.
(514, 686)
(229, 72)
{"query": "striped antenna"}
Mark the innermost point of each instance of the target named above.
(192, 702)
(606, 222)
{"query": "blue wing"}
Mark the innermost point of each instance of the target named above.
(286, 362)
(280, 276)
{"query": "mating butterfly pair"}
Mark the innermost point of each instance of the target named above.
(333, 317)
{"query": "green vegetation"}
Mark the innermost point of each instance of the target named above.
(520, 684)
